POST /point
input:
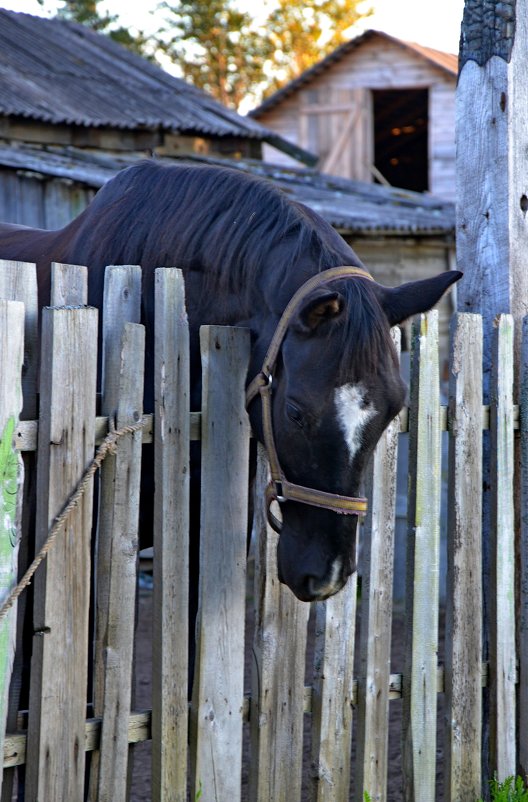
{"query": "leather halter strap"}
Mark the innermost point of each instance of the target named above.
(279, 488)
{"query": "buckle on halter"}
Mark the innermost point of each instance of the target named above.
(279, 491)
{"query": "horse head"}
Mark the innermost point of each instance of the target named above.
(329, 384)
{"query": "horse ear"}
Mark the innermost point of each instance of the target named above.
(318, 307)
(415, 297)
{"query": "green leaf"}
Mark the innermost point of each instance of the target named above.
(9, 467)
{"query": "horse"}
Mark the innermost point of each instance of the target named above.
(323, 379)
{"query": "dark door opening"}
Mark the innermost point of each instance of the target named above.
(401, 137)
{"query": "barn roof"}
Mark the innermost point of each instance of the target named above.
(444, 61)
(60, 72)
(353, 207)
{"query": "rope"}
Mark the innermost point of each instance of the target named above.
(108, 446)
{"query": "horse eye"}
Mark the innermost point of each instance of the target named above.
(295, 414)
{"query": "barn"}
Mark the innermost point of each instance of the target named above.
(376, 109)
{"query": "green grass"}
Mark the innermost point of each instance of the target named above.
(511, 790)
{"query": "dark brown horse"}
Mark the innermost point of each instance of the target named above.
(246, 249)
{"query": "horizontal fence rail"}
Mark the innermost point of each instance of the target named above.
(306, 693)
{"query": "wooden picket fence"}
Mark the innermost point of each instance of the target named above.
(197, 747)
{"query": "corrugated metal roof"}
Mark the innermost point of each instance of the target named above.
(59, 72)
(354, 207)
(445, 61)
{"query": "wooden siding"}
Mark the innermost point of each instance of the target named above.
(31, 199)
(393, 261)
(347, 83)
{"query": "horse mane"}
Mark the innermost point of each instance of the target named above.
(223, 223)
(215, 219)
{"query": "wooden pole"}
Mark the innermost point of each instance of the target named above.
(492, 199)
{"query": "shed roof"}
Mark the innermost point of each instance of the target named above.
(447, 62)
(353, 207)
(60, 72)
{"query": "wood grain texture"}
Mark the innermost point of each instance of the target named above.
(502, 574)
(18, 282)
(170, 710)
(69, 285)
(523, 560)
(279, 657)
(463, 650)
(109, 774)
(55, 764)
(218, 691)
(335, 625)
(117, 514)
(377, 565)
(420, 678)
(11, 488)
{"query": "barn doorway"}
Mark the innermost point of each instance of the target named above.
(401, 137)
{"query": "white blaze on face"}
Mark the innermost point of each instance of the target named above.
(352, 414)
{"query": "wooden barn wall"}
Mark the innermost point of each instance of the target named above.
(367, 68)
(34, 200)
(396, 260)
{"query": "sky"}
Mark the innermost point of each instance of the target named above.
(428, 22)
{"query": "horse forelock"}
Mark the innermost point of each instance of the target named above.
(364, 338)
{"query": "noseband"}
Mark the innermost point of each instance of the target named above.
(279, 488)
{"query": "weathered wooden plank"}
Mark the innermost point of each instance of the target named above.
(502, 589)
(18, 282)
(218, 686)
(69, 285)
(463, 650)
(377, 563)
(523, 559)
(117, 641)
(492, 180)
(419, 707)
(55, 765)
(121, 304)
(11, 488)
(279, 649)
(335, 625)
(122, 393)
(170, 714)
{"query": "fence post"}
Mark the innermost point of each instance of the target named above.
(170, 709)
(120, 512)
(18, 282)
(217, 703)
(502, 659)
(335, 633)
(57, 711)
(11, 490)
(421, 663)
(463, 661)
(279, 655)
(377, 564)
(115, 560)
(523, 559)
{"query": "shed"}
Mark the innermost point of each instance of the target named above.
(376, 109)
(62, 83)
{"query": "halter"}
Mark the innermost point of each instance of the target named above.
(279, 488)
